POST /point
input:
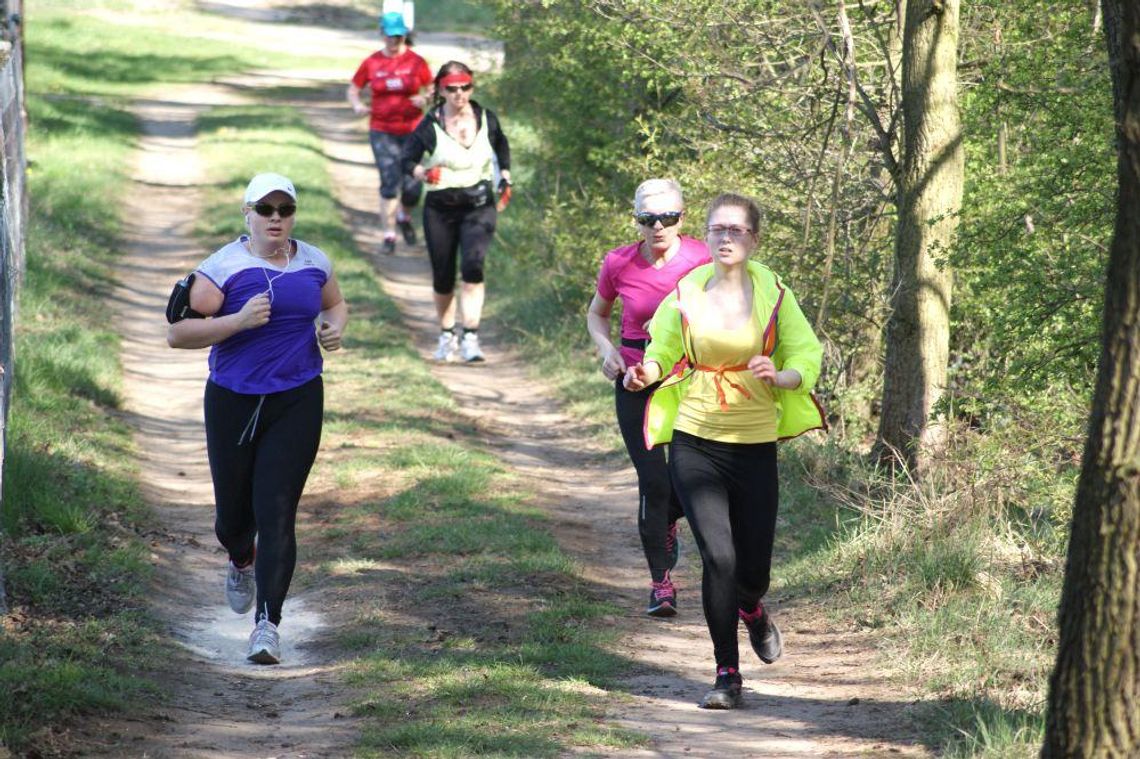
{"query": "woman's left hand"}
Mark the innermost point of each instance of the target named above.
(329, 336)
(764, 369)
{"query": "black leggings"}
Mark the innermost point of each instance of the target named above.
(658, 504)
(261, 448)
(449, 231)
(731, 494)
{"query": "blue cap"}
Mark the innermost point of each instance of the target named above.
(392, 24)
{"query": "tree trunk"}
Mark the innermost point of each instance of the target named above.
(929, 196)
(1094, 698)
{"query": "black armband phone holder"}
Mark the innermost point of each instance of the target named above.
(178, 307)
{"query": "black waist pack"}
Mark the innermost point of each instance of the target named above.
(178, 307)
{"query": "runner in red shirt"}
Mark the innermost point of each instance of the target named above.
(396, 77)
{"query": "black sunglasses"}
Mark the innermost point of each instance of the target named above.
(285, 210)
(459, 87)
(667, 219)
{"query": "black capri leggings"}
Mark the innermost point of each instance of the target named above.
(449, 231)
(658, 505)
(731, 494)
(261, 448)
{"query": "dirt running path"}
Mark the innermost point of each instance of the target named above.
(218, 704)
(822, 699)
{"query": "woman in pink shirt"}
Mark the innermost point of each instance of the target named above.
(641, 275)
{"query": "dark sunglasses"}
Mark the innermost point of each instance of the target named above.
(453, 88)
(667, 219)
(285, 210)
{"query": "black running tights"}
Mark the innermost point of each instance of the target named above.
(658, 505)
(458, 236)
(261, 449)
(730, 494)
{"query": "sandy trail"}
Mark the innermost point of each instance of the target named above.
(824, 698)
(221, 705)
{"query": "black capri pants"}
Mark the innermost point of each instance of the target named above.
(451, 231)
(261, 448)
(731, 494)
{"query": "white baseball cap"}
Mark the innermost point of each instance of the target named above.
(263, 184)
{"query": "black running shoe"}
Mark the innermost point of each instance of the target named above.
(662, 599)
(407, 230)
(763, 634)
(389, 246)
(726, 691)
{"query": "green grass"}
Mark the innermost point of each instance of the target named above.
(960, 598)
(75, 567)
(486, 636)
(115, 50)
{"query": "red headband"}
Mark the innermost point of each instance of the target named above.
(456, 77)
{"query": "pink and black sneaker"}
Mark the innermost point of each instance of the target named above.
(763, 634)
(662, 599)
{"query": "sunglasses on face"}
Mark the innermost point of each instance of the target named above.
(718, 231)
(285, 210)
(454, 88)
(667, 219)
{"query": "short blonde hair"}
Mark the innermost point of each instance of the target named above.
(657, 187)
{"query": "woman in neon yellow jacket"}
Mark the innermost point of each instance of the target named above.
(748, 360)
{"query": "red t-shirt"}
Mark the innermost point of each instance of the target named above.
(393, 82)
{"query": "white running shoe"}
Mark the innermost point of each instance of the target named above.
(447, 348)
(469, 347)
(265, 643)
(240, 587)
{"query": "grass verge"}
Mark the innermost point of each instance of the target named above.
(71, 510)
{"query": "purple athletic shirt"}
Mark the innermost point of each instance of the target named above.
(627, 275)
(283, 353)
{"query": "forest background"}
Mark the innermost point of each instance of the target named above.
(957, 572)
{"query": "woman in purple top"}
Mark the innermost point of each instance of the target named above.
(271, 303)
(642, 274)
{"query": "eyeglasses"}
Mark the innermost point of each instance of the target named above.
(667, 219)
(718, 230)
(285, 210)
(454, 88)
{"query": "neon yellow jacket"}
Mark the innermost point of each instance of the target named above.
(788, 339)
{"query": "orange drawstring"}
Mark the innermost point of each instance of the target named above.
(718, 375)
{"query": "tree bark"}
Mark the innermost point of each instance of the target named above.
(929, 197)
(1094, 698)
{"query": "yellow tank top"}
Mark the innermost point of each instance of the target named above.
(724, 402)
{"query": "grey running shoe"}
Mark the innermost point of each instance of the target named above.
(662, 599)
(448, 347)
(389, 246)
(240, 587)
(763, 634)
(265, 643)
(469, 347)
(726, 691)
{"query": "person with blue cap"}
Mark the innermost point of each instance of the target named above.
(396, 77)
